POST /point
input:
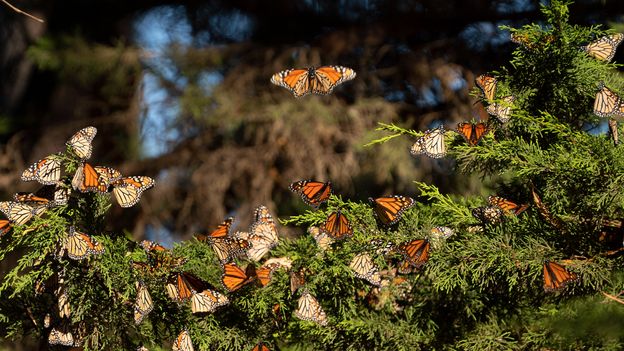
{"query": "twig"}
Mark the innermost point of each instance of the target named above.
(613, 298)
(22, 12)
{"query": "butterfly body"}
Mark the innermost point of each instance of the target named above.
(507, 206)
(308, 309)
(472, 132)
(487, 84)
(389, 209)
(604, 48)
(234, 277)
(80, 143)
(183, 342)
(556, 277)
(46, 171)
(364, 268)
(263, 234)
(431, 144)
(321, 80)
(143, 304)
(312, 192)
(337, 226)
(415, 255)
(208, 301)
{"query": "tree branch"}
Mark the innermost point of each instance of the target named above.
(22, 12)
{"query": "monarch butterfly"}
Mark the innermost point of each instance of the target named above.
(472, 132)
(337, 226)
(47, 319)
(502, 110)
(18, 213)
(79, 245)
(487, 84)
(234, 277)
(48, 196)
(151, 246)
(556, 277)
(260, 347)
(604, 48)
(80, 143)
(321, 80)
(182, 285)
(61, 335)
(128, 190)
(312, 192)
(415, 254)
(5, 226)
(87, 178)
(364, 268)
(431, 144)
(308, 309)
(226, 246)
(265, 273)
(64, 307)
(441, 232)
(46, 171)
(262, 234)
(297, 280)
(608, 103)
(183, 342)
(523, 39)
(488, 214)
(507, 206)
(322, 239)
(208, 301)
(381, 247)
(143, 304)
(222, 231)
(390, 208)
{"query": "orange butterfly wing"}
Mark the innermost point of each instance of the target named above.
(507, 205)
(337, 226)
(415, 254)
(222, 231)
(390, 208)
(5, 226)
(260, 347)
(234, 277)
(556, 277)
(472, 132)
(487, 84)
(295, 80)
(312, 192)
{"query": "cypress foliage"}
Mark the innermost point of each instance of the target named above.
(482, 288)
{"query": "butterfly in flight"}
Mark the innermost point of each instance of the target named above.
(389, 209)
(80, 143)
(556, 277)
(604, 48)
(321, 80)
(487, 84)
(431, 144)
(364, 268)
(608, 103)
(472, 132)
(508, 206)
(312, 192)
(308, 309)
(337, 226)
(502, 109)
(46, 171)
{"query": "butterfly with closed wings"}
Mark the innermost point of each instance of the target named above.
(431, 144)
(604, 48)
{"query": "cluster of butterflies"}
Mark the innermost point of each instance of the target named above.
(607, 102)
(556, 277)
(56, 190)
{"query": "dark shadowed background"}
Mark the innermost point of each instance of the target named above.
(180, 91)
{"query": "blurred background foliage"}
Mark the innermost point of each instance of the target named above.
(179, 91)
